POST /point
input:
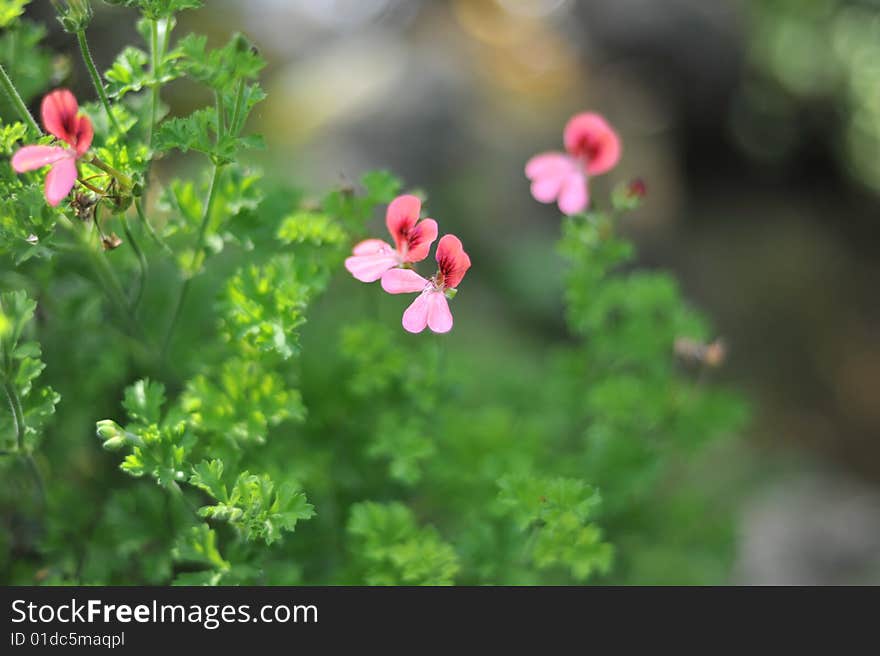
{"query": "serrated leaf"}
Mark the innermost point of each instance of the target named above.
(199, 545)
(208, 476)
(394, 550)
(144, 400)
(129, 73)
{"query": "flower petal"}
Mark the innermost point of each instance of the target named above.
(60, 180)
(31, 158)
(369, 268)
(402, 215)
(403, 281)
(453, 261)
(546, 189)
(548, 173)
(415, 318)
(439, 316)
(59, 110)
(372, 247)
(420, 239)
(548, 164)
(574, 196)
(84, 135)
(589, 136)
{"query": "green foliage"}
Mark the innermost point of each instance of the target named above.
(263, 419)
(10, 10)
(129, 73)
(255, 507)
(242, 404)
(156, 9)
(31, 405)
(264, 306)
(391, 549)
(28, 64)
(558, 512)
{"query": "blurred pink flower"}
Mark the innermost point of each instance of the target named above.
(431, 308)
(61, 118)
(412, 241)
(593, 149)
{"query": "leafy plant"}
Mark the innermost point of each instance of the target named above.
(258, 425)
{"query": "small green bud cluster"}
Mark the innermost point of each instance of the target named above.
(74, 15)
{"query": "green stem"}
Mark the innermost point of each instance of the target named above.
(154, 87)
(123, 179)
(234, 128)
(197, 253)
(38, 478)
(96, 79)
(17, 102)
(17, 414)
(166, 37)
(221, 116)
(108, 280)
(206, 215)
(138, 204)
(18, 422)
(142, 261)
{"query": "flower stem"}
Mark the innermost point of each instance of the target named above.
(23, 112)
(142, 261)
(197, 253)
(19, 425)
(154, 87)
(96, 79)
(139, 206)
(121, 178)
(17, 414)
(236, 112)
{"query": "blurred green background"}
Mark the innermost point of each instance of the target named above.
(756, 125)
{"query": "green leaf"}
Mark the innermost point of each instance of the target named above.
(259, 509)
(129, 73)
(156, 9)
(199, 132)
(208, 476)
(30, 66)
(20, 366)
(312, 228)
(11, 134)
(242, 403)
(161, 453)
(194, 132)
(263, 306)
(405, 444)
(222, 68)
(144, 400)
(27, 222)
(393, 550)
(10, 10)
(558, 512)
(199, 545)
(381, 186)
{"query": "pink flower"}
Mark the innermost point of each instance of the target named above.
(61, 118)
(412, 241)
(431, 307)
(593, 149)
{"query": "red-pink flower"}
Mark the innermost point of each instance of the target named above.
(412, 241)
(593, 149)
(61, 118)
(431, 307)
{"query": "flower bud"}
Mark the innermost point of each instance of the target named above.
(74, 15)
(111, 242)
(629, 196)
(112, 434)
